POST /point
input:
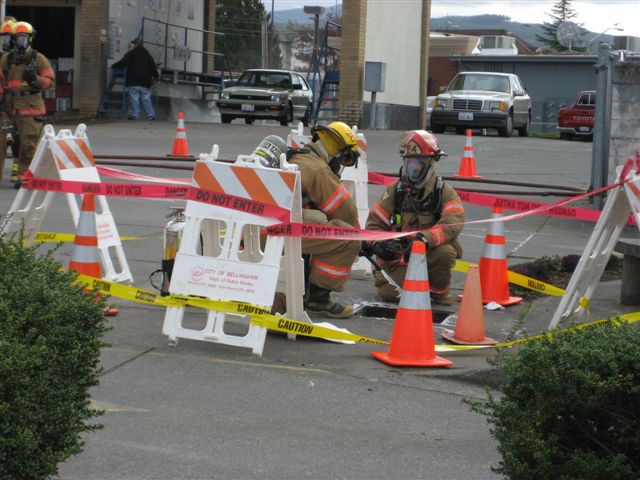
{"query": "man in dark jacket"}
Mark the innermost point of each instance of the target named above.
(142, 71)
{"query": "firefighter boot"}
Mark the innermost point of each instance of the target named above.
(319, 304)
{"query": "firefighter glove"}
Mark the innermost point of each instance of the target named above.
(387, 250)
(30, 75)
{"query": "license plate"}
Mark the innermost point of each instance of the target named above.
(247, 107)
(465, 116)
(583, 129)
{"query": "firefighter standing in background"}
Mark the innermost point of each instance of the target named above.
(6, 39)
(327, 202)
(419, 200)
(25, 74)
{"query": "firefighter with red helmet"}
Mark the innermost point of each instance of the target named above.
(6, 136)
(25, 73)
(419, 200)
(326, 201)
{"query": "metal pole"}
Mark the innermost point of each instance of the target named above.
(598, 151)
(265, 41)
(372, 116)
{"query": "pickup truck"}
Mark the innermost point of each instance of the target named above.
(577, 120)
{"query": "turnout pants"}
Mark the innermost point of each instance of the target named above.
(331, 260)
(30, 130)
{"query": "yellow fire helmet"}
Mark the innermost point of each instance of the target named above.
(339, 141)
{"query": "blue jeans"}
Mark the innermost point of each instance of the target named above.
(137, 94)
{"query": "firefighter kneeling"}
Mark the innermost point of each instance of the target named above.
(419, 200)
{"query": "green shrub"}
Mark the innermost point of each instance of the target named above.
(570, 406)
(50, 340)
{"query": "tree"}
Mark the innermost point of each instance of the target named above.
(241, 22)
(561, 12)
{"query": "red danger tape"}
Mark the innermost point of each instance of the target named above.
(557, 209)
(182, 192)
(329, 232)
(379, 179)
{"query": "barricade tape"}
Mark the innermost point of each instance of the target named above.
(517, 279)
(262, 317)
(259, 315)
(181, 192)
(43, 237)
(480, 199)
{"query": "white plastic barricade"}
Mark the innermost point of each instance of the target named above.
(621, 202)
(68, 156)
(236, 262)
(355, 180)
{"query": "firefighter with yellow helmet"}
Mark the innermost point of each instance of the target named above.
(25, 73)
(326, 201)
(419, 200)
(6, 136)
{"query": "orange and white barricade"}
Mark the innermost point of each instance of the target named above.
(235, 263)
(355, 179)
(67, 156)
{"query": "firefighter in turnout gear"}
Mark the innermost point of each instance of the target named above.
(326, 201)
(419, 200)
(6, 136)
(25, 73)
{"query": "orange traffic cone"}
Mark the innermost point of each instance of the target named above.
(493, 264)
(468, 162)
(412, 342)
(470, 324)
(84, 258)
(180, 146)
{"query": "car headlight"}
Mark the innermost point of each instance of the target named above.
(501, 106)
(278, 98)
(440, 103)
(224, 96)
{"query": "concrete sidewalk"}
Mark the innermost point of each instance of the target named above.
(309, 408)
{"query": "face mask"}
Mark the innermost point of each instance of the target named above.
(415, 169)
(6, 42)
(22, 42)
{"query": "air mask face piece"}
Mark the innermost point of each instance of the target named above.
(6, 42)
(22, 42)
(415, 169)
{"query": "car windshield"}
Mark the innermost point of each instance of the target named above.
(264, 79)
(491, 83)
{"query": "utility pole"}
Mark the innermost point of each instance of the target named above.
(265, 40)
(316, 12)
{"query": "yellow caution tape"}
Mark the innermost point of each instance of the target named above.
(259, 315)
(262, 317)
(517, 279)
(627, 317)
(534, 284)
(43, 237)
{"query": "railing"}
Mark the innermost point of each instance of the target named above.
(184, 52)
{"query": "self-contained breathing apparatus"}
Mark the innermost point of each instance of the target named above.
(172, 236)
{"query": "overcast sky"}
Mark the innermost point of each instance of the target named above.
(595, 15)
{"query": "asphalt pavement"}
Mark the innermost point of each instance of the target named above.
(310, 408)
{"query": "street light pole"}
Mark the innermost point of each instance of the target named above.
(613, 27)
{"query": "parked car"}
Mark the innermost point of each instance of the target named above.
(483, 100)
(278, 94)
(578, 119)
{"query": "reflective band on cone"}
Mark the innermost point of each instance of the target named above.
(468, 162)
(493, 265)
(412, 342)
